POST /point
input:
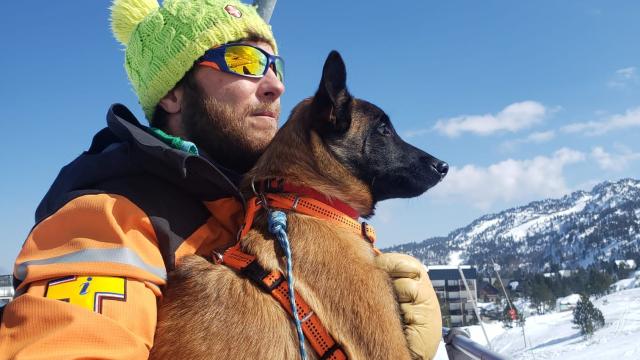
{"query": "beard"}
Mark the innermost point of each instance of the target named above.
(224, 133)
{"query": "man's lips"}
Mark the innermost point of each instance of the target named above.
(265, 119)
(265, 113)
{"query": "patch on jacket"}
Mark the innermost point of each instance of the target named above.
(87, 291)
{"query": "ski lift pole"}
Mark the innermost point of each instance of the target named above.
(496, 268)
(475, 305)
(265, 8)
(460, 347)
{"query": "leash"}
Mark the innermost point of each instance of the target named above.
(278, 227)
(313, 204)
(275, 284)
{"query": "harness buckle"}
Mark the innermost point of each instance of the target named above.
(258, 274)
(295, 202)
(253, 186)
(262, 199)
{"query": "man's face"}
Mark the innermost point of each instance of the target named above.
(232, 118)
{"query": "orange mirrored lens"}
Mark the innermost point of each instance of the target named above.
(245, 60)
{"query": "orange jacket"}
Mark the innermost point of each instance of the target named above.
(91, 271)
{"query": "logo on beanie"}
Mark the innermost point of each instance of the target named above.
(233, 11)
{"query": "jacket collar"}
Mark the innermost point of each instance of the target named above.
(194, 172)
(126, 149)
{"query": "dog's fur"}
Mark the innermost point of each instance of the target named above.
(340, 146)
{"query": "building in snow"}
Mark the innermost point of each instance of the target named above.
(560, 273)
(6, 289)
(488, 293)
(627, 264)
(514, 285)
(568, 302)
(456, 304)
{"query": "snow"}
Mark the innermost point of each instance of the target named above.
(571, 299)
(448, 267)
(520, 232)
(485, 305)
(454, 258)
(587, 232)
(480, 228)
(514, 285)
(566, 273)
(630, 264)
(553, 335)
(567, 302)
(625, 284)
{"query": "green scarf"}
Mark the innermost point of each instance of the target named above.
(176, 142)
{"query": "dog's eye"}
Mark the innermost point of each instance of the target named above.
(384, 130)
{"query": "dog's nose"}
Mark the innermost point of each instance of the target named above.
(442, 167)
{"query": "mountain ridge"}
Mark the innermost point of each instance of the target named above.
(576, 230)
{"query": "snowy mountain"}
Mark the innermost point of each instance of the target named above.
(575, 230)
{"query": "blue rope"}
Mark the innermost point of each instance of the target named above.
(278, 227)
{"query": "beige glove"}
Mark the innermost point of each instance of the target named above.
(418, 303)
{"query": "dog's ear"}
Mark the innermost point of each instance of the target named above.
(331, 106)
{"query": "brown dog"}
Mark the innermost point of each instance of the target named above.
(342, 147)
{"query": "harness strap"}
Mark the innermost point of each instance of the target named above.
(311, 207)
(279, 185)
(274, 282)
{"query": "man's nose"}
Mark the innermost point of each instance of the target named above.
(270, 88)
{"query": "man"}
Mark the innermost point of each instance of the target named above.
(122, 214)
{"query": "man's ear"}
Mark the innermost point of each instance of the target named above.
(172, 102)
(331, 105)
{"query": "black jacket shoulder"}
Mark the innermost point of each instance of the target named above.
(169, 185)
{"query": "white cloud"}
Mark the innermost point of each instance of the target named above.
(615, 162)
(631, 118)
(627, 73)
(623, 77)
(538, 137)
(509, 180)
(515, 117)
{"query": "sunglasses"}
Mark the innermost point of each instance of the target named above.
(243, 60)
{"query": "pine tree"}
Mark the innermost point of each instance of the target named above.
(541, 295)
(588, 317)
(598, 282)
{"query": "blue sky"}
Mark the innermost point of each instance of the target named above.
(524, 99)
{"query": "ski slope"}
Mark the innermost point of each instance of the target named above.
(553, 336)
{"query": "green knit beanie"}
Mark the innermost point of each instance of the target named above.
(162, 42)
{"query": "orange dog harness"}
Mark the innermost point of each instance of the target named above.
(313, 204)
